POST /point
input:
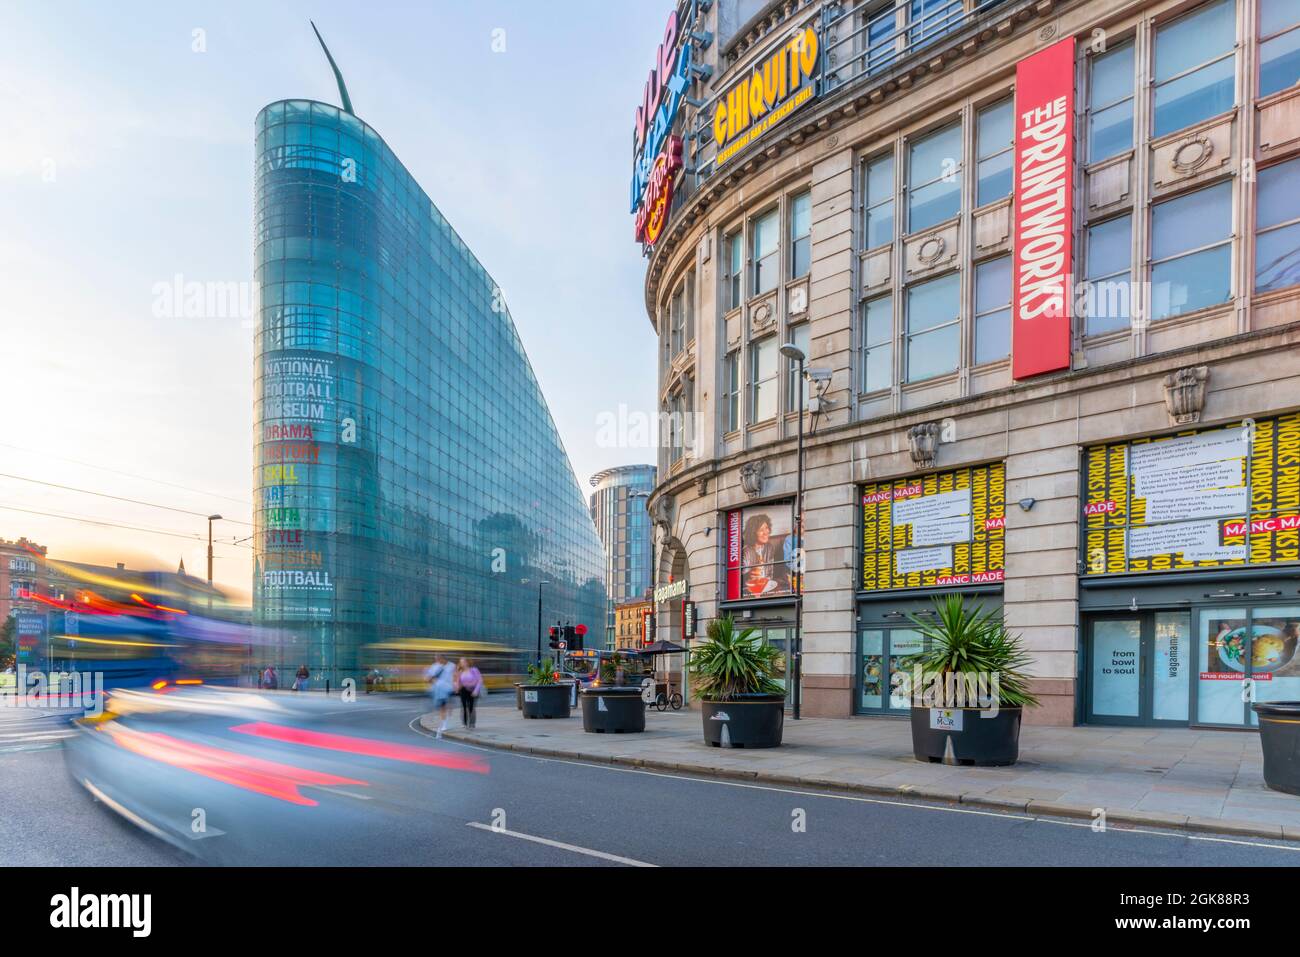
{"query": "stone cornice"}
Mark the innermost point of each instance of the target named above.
(1073, 382)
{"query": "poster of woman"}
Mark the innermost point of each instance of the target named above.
(765, 562)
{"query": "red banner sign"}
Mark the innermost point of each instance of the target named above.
(733, 555)
(1044, 177)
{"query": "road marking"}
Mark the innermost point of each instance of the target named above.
(695, 776)
(37, 735)
(127, 813)
(561, 845)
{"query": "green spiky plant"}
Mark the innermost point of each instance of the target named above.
(962, 639)
(731, 663)
(543, 674)
(608, 668)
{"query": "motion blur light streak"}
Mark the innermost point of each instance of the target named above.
(269, 778)
(366, 746)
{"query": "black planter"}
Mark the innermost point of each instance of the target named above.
(546, 701)
(746, 721)
(981, 741)
(1279, 736)
(612, 710)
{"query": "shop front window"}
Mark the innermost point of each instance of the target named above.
(1274, 656)
(1221, 666)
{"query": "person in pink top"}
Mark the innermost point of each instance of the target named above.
(469, 685)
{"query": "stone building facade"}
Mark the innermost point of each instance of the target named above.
(873, 225)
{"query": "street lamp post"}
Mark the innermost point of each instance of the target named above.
(540, 583)
(793, 352)
(211, 519)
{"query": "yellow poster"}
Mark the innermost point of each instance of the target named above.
(1208, 498)
(931, 531)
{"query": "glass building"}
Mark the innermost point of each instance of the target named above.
(409, 480)
(618, 509)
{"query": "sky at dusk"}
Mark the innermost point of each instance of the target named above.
(127, 162)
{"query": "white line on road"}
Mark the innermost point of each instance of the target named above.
(1028, 818)
(561, 845)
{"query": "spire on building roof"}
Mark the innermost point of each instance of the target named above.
(343, 90)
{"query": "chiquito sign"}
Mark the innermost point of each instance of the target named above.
(1044, 176)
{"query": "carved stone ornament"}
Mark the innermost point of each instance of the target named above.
(762, 316)
(751, 478)
(931, 249)
(923, 443)
(661, 513)
(1185, 394)
(1192, 153)
(702, 485)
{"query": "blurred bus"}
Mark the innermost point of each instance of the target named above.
(403, 661)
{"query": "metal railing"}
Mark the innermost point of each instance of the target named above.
(856, 41)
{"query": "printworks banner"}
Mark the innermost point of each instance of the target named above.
(1182, 502)
(935, 530)
(1044, 177)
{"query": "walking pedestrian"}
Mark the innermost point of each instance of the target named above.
(301, 678)
(440, 676)
(270, 680)
(469, 685)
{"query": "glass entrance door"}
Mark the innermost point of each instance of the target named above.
(1137, 668)
(882, 654)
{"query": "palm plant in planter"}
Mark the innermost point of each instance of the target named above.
(543, 696)
(733, 675)
(969, 687)
(611, 707)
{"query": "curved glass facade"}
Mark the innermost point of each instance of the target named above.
(618, 509)
(407, 471)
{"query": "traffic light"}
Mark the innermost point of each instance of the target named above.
(579, 633)
(555, 638)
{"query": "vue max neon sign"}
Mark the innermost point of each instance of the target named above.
(660, 101)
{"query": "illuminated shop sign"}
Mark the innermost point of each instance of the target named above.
(766, 95)
(652, 217)
(762, 552)
(660, 101)
(1044, 207)
(932, 531)
(670, 591)
(1213, 498)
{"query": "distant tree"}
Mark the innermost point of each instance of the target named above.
(8, 642)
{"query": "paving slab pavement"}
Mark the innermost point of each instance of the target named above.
(1184, 778)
